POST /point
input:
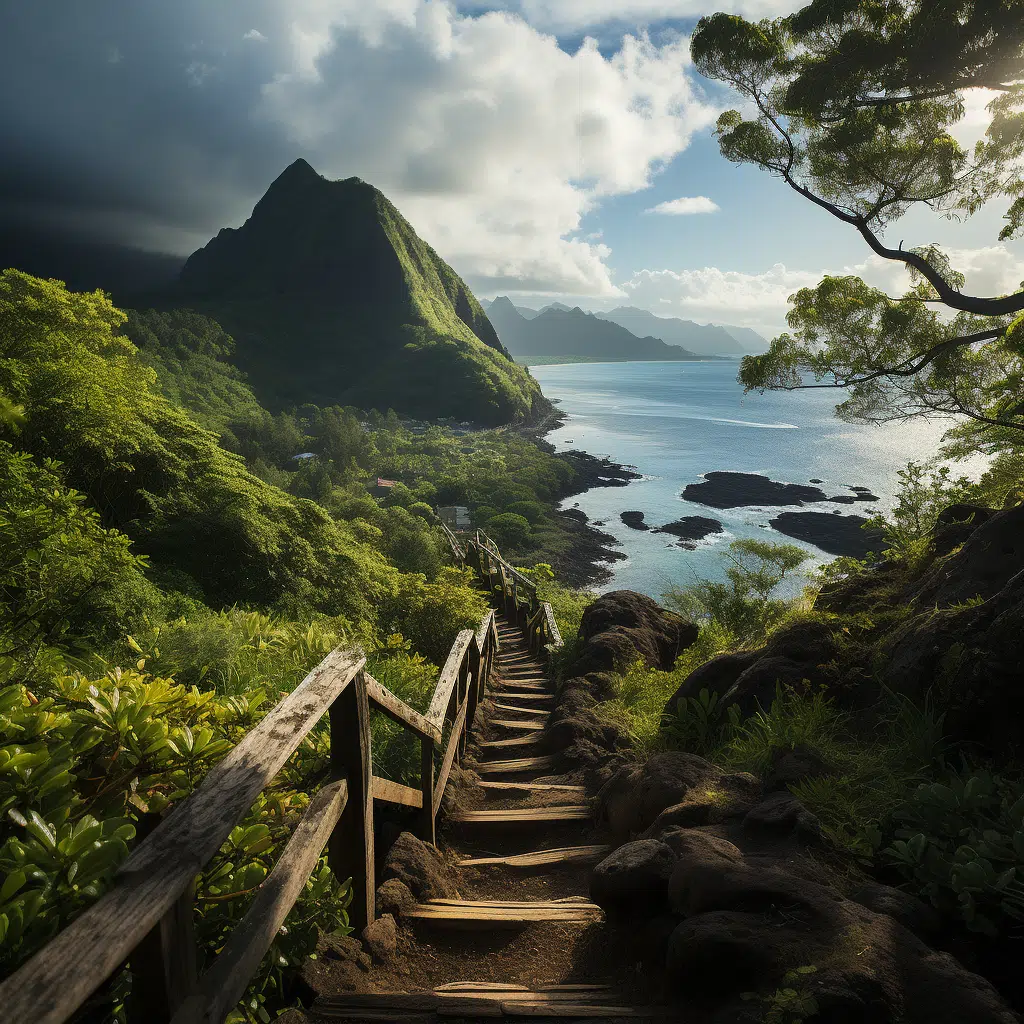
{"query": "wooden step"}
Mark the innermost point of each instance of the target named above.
(521, 724)
(562, 855)
(476, 914)
(519, 764)
(473, 999)
(514, 707)
(531, 739)
(536, 787)
(524, 686)
(521, 815)
(523, 696)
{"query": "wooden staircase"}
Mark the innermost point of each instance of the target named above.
(527, 854)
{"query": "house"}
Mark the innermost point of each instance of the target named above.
(381, 488)
(455, 517)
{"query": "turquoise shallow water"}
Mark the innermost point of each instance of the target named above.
(676, 421)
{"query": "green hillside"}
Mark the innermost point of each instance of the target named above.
(333, 298)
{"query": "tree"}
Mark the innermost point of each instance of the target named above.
(852, 102)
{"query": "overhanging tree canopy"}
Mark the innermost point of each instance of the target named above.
(850, 103)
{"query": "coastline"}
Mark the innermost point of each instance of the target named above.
(591, 553)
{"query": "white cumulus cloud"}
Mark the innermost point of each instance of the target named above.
(255, 35)
(684, 206)
(566, 15)
(489, 137)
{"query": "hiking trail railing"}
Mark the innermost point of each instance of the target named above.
(145, 918)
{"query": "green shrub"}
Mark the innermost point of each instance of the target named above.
(960, 843)
(508, 529)
(924, 491)
(744, 606)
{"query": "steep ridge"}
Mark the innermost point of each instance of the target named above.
(520, 938)
(332, 297)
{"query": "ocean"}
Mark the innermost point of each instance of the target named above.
(676, 421)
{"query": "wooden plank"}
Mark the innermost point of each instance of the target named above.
(226, 981)
(554, 636)
(164, 964)
(351, 852)
(529, 740)
(526, 725)
(520, 764)
(379, 1001)
(62, 975)
(485, 626)
(535, 787)
(396, 793)
(532, 696)
(527, 711)
(449, 678)
(564, 855)
(449, 756)
(475, 914)
(427, 830)
(515, 815)
(397, 710)
(589, 1010)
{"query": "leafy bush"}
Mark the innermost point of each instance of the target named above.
(744, 606)
(84, 762)
(923, 492)
(961, 844)
(509, 529)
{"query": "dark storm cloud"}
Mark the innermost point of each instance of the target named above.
(130, 117)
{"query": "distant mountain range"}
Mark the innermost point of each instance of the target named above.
(560, 334)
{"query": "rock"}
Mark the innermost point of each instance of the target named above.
(792, 766)
(421, 868)
(717, 953)
(394, 897)
(728, 796)
(955, 524)
(783, 815)
(749, 678)
(634, 520)
(632, 881)
(976, 650)
(843, 499)
(381, 937)
(746, 929)
(838, 535)
(915, 915)
(863, 494)
(621, 626)
(734, 490)
(815, 481)
(693, 847)
(691, 528)
(991, 555)
(343, 947)
(633, 798)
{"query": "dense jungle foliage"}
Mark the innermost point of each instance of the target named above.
(168, 569)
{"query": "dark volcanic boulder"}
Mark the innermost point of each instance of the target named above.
(636, 794)
(749, 678)
(992, 554)
(955, 524)
(421, 868)
(620, 626)
(632, 881)
(838, 535)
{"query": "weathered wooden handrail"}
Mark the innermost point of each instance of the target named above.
(145, 917)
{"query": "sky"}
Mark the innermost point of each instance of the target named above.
(548, 149)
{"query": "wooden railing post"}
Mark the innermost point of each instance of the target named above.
(351, 853)
(163, 964)
(427, 788)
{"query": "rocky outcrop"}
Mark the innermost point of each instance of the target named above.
(734, 910)
(836, 534)
(797, 654)
(735, 490)
(622, 625)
